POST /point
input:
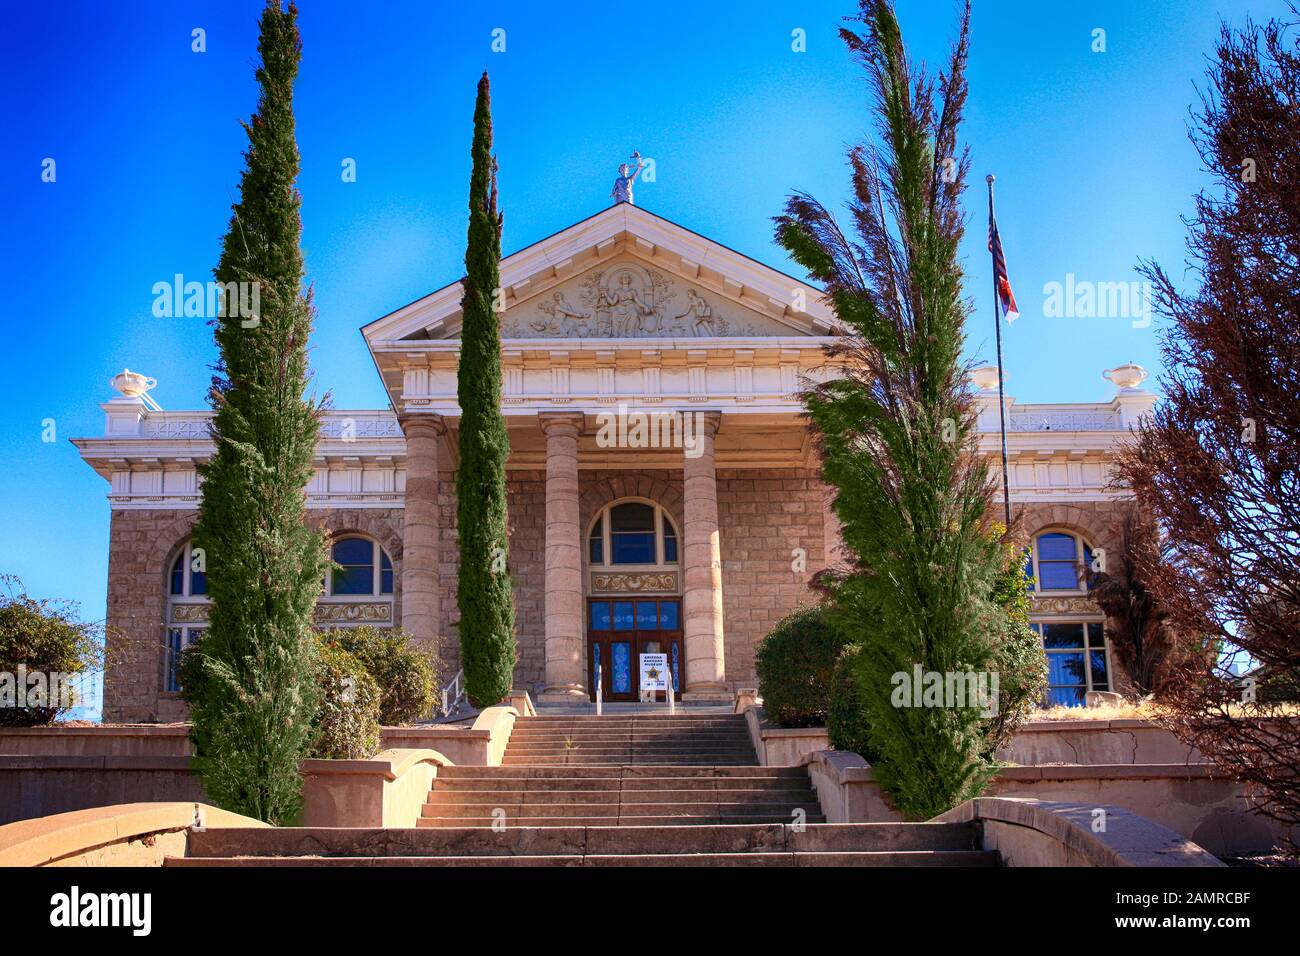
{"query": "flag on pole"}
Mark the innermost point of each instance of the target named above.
(1000, 280)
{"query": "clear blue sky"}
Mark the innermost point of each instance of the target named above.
(1094, 170)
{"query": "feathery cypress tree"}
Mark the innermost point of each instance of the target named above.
(253, 689)
(487, 609)
(897, 430)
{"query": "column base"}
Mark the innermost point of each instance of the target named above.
(566, 694)
(708, 693)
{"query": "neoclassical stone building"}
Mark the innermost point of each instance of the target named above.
(664, 496)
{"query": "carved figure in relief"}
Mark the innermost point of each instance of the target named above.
(627, 309)
(701, 311)
(564, 318)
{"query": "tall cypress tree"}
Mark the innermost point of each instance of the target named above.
(487, 610)
(251, 682)
(897, 430)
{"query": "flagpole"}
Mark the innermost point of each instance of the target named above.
(1002, 405)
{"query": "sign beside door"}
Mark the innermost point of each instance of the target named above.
(654, 672)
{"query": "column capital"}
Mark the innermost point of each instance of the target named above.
(711, 420)
(423, 423)
(568, 424)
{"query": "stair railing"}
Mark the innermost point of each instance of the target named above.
(454, 696)
(600, 690)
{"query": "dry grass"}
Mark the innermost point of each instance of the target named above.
(1143, 709)
(1146, 708)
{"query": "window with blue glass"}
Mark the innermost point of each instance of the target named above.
(363, 568)
(1077, 660)
(189, 577)
(669, 615)
(632, 533)
(187, 610)
(622, 616)
(621, 679)
(1059, 561)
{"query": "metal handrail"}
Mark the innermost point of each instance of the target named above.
(453, 695)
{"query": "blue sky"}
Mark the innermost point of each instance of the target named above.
(1090, 150)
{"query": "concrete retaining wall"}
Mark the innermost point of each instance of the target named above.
(1211, 811)
(37, 786)
(59, 769)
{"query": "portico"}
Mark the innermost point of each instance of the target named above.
(621, 321)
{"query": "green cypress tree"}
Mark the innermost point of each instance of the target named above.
(897, 430)
(252, 683)
(487, 609)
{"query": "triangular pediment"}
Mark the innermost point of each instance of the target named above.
(626, 273)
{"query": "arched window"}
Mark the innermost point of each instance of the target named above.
(632, 533)
(187, 609)
(359, 588)
(1059, 561)
(364, 569)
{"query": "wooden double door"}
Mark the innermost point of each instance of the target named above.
(620, 630)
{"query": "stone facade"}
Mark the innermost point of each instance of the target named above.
(623, 314)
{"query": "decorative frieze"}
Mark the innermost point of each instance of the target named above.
(359, 612)
(1082, 604)
(633, 582)
(368, 612)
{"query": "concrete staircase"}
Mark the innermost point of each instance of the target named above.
(773, 844)
(650, 795)
(623, 771)
(610, 791)
(685, 740)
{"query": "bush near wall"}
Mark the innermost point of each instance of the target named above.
(44, 638)
(795, 665)
(406, 677)
(347, 722)
(846, 715)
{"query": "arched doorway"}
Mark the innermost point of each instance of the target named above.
(633, 604)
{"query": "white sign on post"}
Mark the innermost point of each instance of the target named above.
(654, 673)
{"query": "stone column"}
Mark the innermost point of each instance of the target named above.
(565, 677)
(421, 531)
(702, 559)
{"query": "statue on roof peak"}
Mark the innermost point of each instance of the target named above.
(623, 184)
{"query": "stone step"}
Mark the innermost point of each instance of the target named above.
(705, 760)
(622, 772)
(646, 718)
(699, 808)
(508, 798)
(633, 754)
(941, 858)
(569, 837)
(536, 740)
(615, 784)
(617, 820)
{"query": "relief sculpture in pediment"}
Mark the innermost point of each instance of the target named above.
(625, 300)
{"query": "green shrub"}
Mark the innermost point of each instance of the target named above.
(42, 648)
(1018, 657)
(406, 676)
(846, 717)
(795, 663)
(347, 721)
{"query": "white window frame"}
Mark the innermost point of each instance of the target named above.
(1081, 623)
(603, 515)
(1081, 549)
(377, 577)
(376, 596)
